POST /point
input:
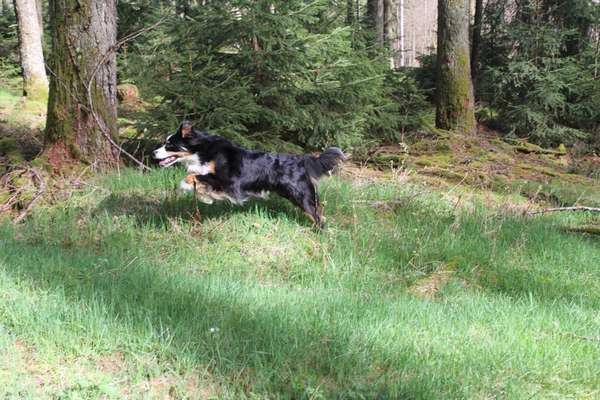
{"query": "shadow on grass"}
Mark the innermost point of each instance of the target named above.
(270, 341)
(185, 207)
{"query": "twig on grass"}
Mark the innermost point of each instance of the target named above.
(560, 209)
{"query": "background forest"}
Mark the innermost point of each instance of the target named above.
(460, 255)
(315, 73)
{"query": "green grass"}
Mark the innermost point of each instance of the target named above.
(127, 289)
(17, 111)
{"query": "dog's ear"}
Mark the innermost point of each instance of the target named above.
(186, 129)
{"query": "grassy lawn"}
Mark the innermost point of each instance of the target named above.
(127, 289)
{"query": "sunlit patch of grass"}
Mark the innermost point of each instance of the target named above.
(131, 289)
(19, 112)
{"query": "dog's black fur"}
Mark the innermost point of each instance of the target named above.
(242, 174)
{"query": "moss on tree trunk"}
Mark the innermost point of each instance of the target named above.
(454, 98)
(83, 33)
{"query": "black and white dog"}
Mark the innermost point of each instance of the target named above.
(221, 170)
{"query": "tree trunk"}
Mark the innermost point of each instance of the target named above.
(390, 29)
(5, 6)
(82, 113)
(35, 81)
(40, 14)
(375, 19)
(382, 18)
(350, 12)
(454, 97)
(476, 40)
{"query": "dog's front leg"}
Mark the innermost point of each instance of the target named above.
(188, 184)
(191, 185)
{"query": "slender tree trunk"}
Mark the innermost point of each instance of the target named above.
(375, 19)
(350, 12)
(40, 14)
(382, 18)
(5, 6)
(35, 81)
(390, 29)
(82, 111)
(476, 39)
(454, 98)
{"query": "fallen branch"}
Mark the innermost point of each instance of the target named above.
(589, 229)
(377, 203)
(389, 203)
(580, 337)
(560, 209)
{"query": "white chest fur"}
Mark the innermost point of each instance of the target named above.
(195, 166)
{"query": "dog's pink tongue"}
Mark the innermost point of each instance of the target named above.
(165, 161)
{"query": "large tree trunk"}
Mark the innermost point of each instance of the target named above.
(82, 113)
(454, 98)
(35, 81)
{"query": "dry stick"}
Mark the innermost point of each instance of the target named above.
(39, 194)
(5, 181)
(558, 209)
(103, 129)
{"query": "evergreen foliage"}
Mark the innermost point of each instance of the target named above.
(540, 69)
(272, 72)
(9, 46)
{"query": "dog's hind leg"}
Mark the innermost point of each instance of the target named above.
(307, 199)
(312, 207)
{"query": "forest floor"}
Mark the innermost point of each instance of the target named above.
(429, 282)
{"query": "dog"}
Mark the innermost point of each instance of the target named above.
(220, 170)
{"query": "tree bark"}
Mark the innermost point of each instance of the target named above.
(35, 81)
(454, 97)
(382, 19)
(350, 12)
(82, 113)
(5, 6)
(476, 39)
(390, 30)
(375, 19)
(39, 8)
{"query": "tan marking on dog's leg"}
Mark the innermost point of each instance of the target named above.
(190, 179)
(211, 165)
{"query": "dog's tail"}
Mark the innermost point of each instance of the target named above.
(325, 163)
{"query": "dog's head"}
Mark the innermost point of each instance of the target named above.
(178, 146)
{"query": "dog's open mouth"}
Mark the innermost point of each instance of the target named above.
(165, 162)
